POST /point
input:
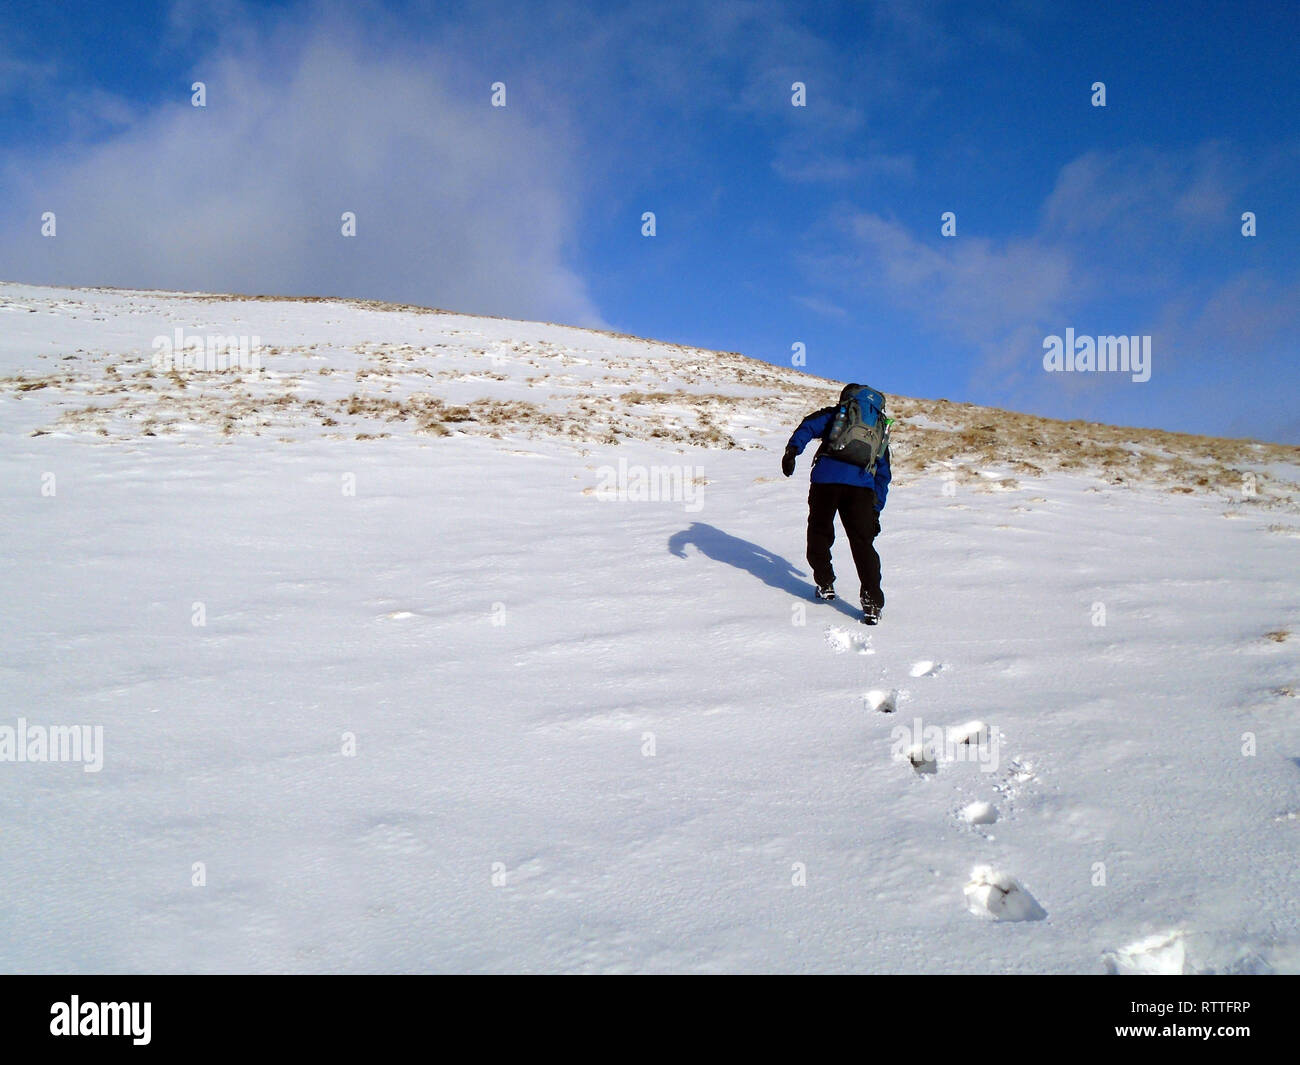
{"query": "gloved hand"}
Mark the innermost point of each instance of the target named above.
(787, 461)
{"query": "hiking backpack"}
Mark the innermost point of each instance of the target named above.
(859, 431)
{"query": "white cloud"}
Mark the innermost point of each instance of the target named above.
(459, 205)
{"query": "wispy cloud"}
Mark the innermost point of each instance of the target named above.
(995, 297)
(818, 305)
(1115, 225)
(22, 77)
(1143, 192)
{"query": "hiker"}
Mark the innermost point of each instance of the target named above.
(850, 477)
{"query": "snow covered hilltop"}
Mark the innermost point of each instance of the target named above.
(357, 369)
(428, 642)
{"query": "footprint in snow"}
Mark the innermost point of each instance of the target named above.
(1015, 777)
(922, 760)
(886, 702)
(1164, 954)
(972, 733)
(998, 896)
(978, 813)
(926, 668)
(1020, 773)
(842, 640)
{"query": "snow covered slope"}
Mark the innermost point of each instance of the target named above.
(447, 643)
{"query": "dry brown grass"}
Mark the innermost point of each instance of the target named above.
(959, 440)
(1028, 444)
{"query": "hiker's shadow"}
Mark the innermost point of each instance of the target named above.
(772, 570)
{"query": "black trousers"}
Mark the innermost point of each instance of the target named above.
(857, 510)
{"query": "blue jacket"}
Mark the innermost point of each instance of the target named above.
(827, 470)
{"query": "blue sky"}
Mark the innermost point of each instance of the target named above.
(775, 224)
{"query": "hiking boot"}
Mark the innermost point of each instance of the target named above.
(870, 612)
(826, 594)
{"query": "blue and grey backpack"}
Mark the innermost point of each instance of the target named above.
(859, 431)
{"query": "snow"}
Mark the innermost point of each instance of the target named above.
(922, 758)
(971, 732)
(1155, 955)
(979, 813)
(884, 701)
(471, 716)
(1000, 897)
